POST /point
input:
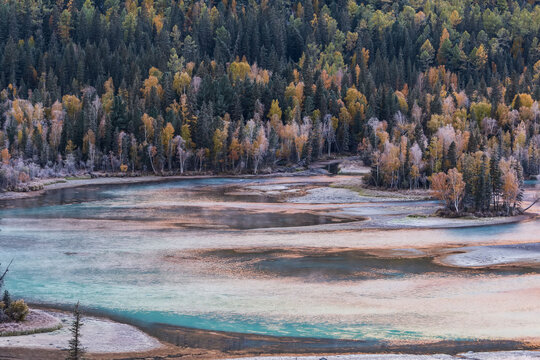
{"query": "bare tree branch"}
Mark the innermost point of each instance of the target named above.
(5, 272)
(532, 204)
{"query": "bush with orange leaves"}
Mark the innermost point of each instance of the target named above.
(449, 188)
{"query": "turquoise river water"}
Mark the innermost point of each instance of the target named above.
(182, 253)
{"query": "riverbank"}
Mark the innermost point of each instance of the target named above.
(106, 339)
(40, 186)
(68, 183)
(37, 321)
(50, 330)
(506, 355)
(312, 186)
(201, 354)
(304, 199)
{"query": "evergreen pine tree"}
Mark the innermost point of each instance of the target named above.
(452, 156)
(483, 188)
(76, 351)
(406, 181)
(6, 299)
(519, 172)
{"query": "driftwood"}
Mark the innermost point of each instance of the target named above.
(532, 204)
(5, 272)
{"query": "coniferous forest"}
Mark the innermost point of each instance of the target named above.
(430, 93)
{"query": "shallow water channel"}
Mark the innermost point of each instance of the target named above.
(189, 253)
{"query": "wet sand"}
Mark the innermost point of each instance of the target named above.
(196, 344)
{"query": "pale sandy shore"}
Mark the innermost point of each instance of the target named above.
(500, 355)
(98, 336)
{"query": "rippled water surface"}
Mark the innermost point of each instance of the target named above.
(169, 253)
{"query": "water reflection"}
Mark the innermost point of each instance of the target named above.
(106, 247)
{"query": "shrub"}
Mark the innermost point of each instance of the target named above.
(3, 317)
(17, 310)
(23, 177)
(8, 178)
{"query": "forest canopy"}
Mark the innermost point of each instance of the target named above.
(416, 87)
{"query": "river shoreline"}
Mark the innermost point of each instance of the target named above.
(127, 178)
(200, 344)
(321, 190)
(99, 334)
(63, 183)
